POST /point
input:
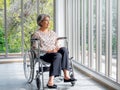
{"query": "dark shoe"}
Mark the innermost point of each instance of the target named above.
(70, 80)
(54, 86)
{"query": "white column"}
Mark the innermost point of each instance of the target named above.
(60, 17)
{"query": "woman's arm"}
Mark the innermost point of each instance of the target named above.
(56, 49)
(34, 43)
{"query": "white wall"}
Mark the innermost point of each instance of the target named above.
(60, 18)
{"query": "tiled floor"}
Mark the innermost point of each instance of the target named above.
(12, 78)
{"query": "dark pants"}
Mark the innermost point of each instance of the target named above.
(59, 61)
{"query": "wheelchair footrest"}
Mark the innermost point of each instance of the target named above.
(45, 69)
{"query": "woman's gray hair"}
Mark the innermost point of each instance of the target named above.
(41, 18)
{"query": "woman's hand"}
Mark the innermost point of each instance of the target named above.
(53, 51)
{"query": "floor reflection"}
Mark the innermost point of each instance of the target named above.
(12, 78)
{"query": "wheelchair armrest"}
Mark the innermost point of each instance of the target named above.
(59, 38)
(34, 39)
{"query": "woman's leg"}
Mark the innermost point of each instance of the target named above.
(65, 65)
(50, 81)
(55, 68)
(66, 74)
(65, 62)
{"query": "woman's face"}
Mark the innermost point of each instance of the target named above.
(45, 22)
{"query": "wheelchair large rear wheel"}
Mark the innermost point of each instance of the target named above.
(28, 64)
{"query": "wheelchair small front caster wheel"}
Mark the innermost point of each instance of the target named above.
(38, 83)
(73, 83)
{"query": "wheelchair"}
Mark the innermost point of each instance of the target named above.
(31, 58)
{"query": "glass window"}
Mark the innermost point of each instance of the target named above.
(13, 33)
(114, 38)
(14, 27)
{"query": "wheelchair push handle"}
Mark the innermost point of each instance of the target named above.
(34, 39)
(59, 38)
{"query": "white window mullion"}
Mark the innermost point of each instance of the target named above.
(84, 31)
(89, 10)
(70, 27)
(100, 35)
(38, 7)
(97, 32)
(118, 44)
(78, 29)
(73, 28)
(5, 27)
(66, 26)
(67, 20)
(22, 29)
(91, 34)
(106, 57)
(110, 38)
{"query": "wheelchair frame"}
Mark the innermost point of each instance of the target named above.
(30, 60)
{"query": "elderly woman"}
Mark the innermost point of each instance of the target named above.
(57, 56)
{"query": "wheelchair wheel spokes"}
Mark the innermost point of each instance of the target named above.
(28, 63)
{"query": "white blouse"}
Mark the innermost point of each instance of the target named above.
(48, 41)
